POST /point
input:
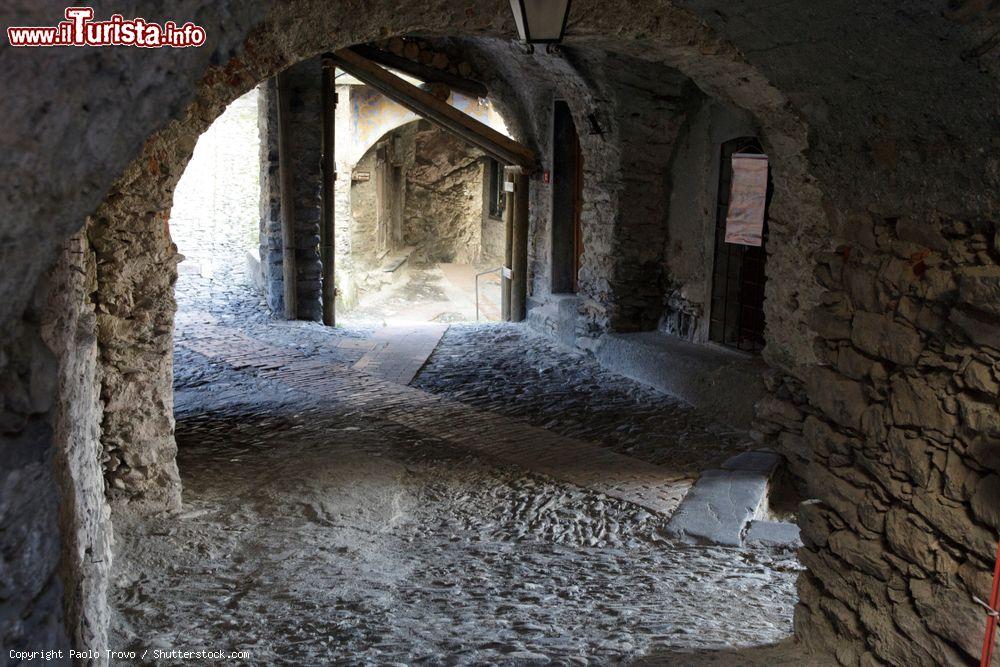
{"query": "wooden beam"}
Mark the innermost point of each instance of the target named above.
(327, 232)
(421, 71)
(519, 248)
(289, 273)
(508, 244)
(440, 113)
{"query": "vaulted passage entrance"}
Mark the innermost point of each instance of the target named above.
(401, 469)
(420, 231)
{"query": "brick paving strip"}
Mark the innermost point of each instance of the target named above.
(400, 351)
(507, 439)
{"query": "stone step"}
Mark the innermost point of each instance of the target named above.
(397, 259)
(728, 505)
(721, 383)
(773, 534)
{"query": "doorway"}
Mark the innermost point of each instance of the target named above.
(738, 277)
(567, 201)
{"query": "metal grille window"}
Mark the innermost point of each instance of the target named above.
(737, 311)
(497, 199)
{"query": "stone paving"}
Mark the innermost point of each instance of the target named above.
(509, 507)
(507, 439)
(401, 534)
(400, 351)
(508, 369)
(321, 534)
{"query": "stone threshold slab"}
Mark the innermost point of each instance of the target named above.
(722, 506)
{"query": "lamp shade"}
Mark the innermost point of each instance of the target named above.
(540, 21)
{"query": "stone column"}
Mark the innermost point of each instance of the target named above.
(136, 273)
(305, 148)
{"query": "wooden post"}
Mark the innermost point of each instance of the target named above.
(508, 246)
(519, 248)
(328, 224)
(286, 181)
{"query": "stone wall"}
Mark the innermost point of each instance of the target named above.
(443, 213)
(440, 194)
(69, 328)
(649, 103)
(358, 260)
(32, 603)
(629, 126)
(897, 435)
(270, 197)
(493, 234)
(628, 113)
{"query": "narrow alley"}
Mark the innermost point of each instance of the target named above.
(325, 515)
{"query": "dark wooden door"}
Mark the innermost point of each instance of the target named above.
(567, 201)
(739, 274)
(577, 212)
(383, 200)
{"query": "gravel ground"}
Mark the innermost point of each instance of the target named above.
(313, 534)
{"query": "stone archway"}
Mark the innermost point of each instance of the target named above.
(139, 138)
(135, 261)
(132, 246)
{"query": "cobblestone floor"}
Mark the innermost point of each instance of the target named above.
(318, 529)
(316, 536)
(508, 369)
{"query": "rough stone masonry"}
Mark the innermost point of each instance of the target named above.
(880, 122)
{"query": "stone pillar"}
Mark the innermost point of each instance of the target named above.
(328, 225)
(305, 147)
(305, 126)
(286, 184)
(136, 271)
(270, 193)
(69, 328)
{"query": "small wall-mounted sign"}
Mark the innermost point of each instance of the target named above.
(747, 200)
(508, 186)
(361, 176)
(546, 177)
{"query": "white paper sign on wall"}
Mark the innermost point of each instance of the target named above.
(747, 200)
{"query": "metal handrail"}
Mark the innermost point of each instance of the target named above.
(478, 275)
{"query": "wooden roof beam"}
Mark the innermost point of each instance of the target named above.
(421, 71)
(440, 113)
